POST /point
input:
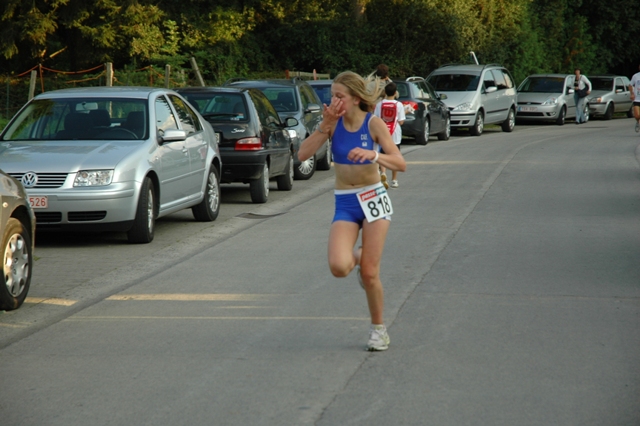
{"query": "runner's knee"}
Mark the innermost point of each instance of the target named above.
(340, 268)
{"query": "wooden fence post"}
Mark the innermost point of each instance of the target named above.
(194, 65)
(109, 72)
(32, 84)
(167, 75)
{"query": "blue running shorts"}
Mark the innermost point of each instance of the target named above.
(347, 206)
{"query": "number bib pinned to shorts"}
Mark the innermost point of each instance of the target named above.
(375, 203)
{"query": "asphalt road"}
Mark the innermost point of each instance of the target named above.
(512, 288)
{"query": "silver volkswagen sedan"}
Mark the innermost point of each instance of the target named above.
(17, 229)
(112, 159)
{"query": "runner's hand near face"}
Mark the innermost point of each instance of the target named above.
(333, 112)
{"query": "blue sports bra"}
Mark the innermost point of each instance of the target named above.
(343, 141)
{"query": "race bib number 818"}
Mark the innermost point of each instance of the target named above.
(375, 203)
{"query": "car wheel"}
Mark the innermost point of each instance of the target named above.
(285, 181)
(209, 207)
(586, 113)
(446, 133)
(325, 162)
(561, 116)
(144, 224)
(478, 127)
(608, 114)
(305, 169)
(259, 188)
(423, 138)
(510, 122)
(16, 268)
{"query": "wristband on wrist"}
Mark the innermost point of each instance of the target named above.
(375, 159)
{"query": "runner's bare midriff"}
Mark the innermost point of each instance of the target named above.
(356, 176)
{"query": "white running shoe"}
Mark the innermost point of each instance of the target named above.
(394, 184)
(637, 126)
(378, 338)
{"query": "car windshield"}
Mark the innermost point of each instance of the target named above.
(324, 93)
(542, 85)
(217, 107)
(80, 119)
(602, 83)
(282, 98)
(454, 82)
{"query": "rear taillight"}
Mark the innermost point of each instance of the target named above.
(412, 104)
(248, 144)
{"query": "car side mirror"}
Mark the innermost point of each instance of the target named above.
(290, 122)
(442, 96)
(619, 90)
(313, 108)
(171, 135)
(491, 89)
(570, 91)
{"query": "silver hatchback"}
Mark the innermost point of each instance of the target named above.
(112, 159)
(547, 97)
(610, 94)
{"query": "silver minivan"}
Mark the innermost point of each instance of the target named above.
(477, 95)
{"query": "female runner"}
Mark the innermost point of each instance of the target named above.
(361, 199)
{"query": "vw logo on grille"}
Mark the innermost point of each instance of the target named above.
(29, 179)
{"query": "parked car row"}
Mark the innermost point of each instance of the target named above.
(117, 159)
(476, 95)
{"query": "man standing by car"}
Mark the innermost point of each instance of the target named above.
(581, 87)
(634, 88)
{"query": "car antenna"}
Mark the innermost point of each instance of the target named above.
(473, 56)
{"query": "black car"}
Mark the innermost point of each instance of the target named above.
(425, 112)
(295, 98)
(255, 144)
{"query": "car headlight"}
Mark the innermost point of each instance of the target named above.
(93, 178)
(550, 101)
(463, 107)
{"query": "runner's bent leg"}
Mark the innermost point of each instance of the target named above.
(373, 239)
(342, 239)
